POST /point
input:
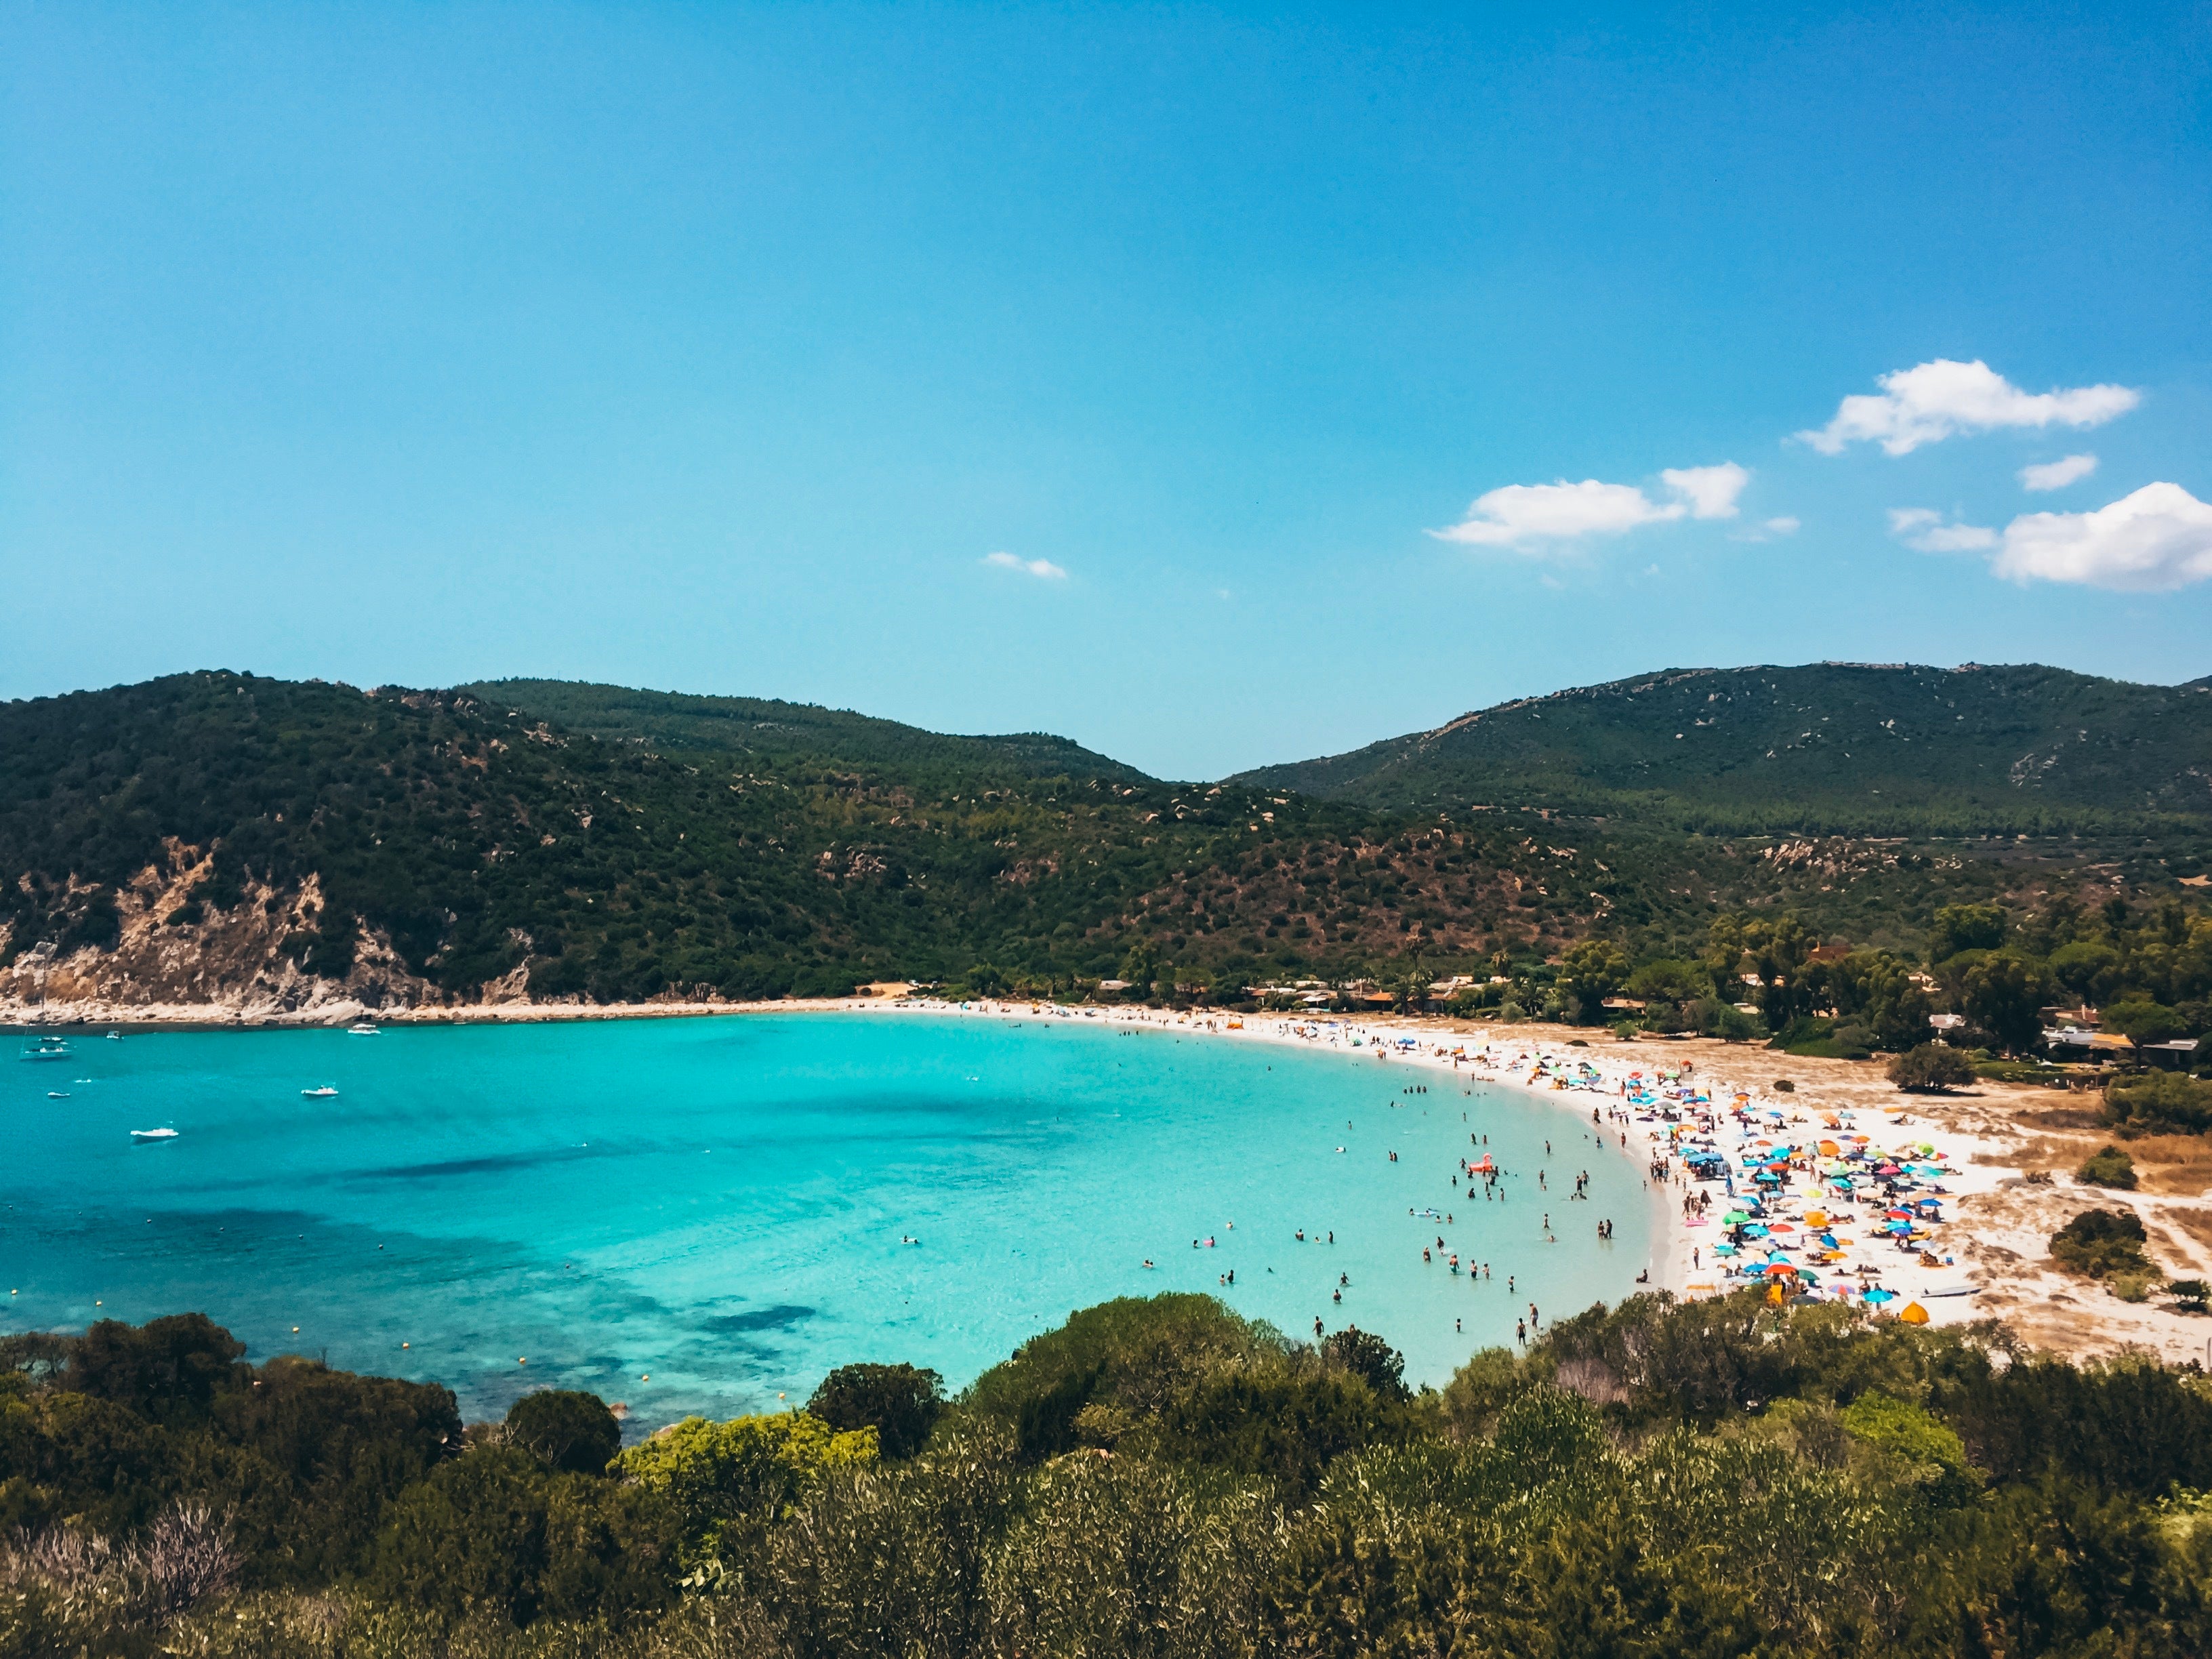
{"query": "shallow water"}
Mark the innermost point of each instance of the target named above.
(718, 1203)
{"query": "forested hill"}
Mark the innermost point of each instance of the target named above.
(774, 732)
(222, 838)
(216, 835)
(1833, 747)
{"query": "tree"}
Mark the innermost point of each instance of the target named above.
(1588, 974)
(1965, 927)
(2141, 1021)
(2088, 969)
(169, 1369)
(901, 1403)
(2003, 993)
(565, 1429)
(1368, 1356)
(1930, 1068)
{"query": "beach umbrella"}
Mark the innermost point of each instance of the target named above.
(1829, 1149)
(1779, 1269)
(1734, 1218)
(1898, 1215)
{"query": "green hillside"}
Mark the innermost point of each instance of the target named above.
(1830, 747)
(421, 844)
(772, 731)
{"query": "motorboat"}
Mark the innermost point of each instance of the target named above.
(326, 1092)
(362, 1028)
(153, 1134)
(47, 1048)
(57, 1094)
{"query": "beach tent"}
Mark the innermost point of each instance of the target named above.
(1913, 1314)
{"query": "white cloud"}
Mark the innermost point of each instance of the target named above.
(1044, 568)
(1935, 400)
(1922, 530)
(2057, 475)
(1709, 490)
(2160, 538)
(1784, 525)
(1529, 516)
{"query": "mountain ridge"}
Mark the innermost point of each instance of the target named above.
(2044, 750)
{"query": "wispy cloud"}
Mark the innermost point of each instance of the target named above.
(1924, 531)
(1935, 400)
(2057, 475)
(2156, 540)
(1043, 568)
(1767, 530)
(1537, 518)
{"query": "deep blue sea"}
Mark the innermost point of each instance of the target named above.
(717, 1205)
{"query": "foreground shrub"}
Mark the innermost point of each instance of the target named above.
(742, 1473)
(901, 1403)
(566, 1430)
(497, 1534)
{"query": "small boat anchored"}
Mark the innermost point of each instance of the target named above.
(328, 1091)
(363, 1028)
(46, 1048)
(153, 1134)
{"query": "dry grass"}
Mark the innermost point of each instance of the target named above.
(2171, 1165)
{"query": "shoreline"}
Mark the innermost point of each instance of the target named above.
(2010, 1144)
(1679, 1243)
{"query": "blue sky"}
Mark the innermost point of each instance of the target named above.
(722, 348)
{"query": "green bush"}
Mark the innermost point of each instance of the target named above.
(2109, 1168)
(566, 1430)
(2102, 1243)
(496, 1532)
(901, 1403)
(2159, 1103)
(2191, 1294)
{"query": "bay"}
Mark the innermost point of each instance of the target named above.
(707, 1214)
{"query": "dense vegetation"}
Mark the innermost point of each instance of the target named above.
(1155, 1478)
(617, 846)
(1840, 748)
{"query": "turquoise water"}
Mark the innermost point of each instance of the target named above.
(718, 1203)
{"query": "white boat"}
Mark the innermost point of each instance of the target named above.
(361, 1028)
(153, 1134)
(1957, 1287)
(326, 1092)
(115, 1036)
(47, 1048)
(57, 1094)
